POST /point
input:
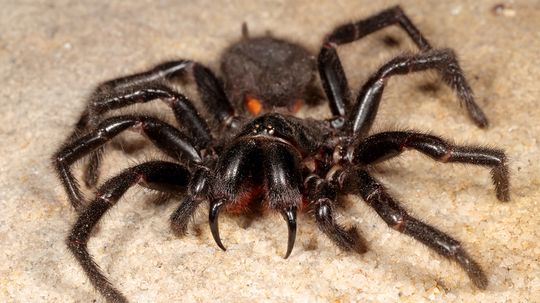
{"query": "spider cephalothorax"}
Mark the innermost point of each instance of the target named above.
(254, 156)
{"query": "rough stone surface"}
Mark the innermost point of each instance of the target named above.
(52, 53)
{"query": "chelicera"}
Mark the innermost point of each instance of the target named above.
(255, 154)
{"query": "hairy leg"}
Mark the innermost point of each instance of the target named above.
(331, 71)
(385, 145)
(155, 174)
(361, 115)
(321, 196)
(358, 181)
(164, 136)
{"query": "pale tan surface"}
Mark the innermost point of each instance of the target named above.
(52, 53)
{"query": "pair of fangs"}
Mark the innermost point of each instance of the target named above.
(289, 214)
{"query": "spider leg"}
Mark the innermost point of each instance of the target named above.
(170, 71)
(184, 111)
(155, 174)
(196, 194)
(208, 86)
(331, 71)
(144, 87)
(147, 86)
(164, 136)
(358, 181)
(335, 82)
(443, 61)
(395, 15)
(322, 196)
(90, 116)
(385, 145)
(212, 94)
(109, 99)
(91, 171)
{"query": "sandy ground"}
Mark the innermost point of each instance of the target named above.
(52, 53)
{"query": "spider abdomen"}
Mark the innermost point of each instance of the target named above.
(271, 71)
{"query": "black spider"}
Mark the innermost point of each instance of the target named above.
(270, 159)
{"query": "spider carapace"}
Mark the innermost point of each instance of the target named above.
(254, 153)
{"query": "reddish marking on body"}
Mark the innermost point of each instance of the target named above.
(253, 105)
(241, 204)
(244, 200)
(295, 107)
(304, 204)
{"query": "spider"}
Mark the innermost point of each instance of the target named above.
(256, 153)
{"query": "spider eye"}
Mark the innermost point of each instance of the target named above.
(253, 105)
